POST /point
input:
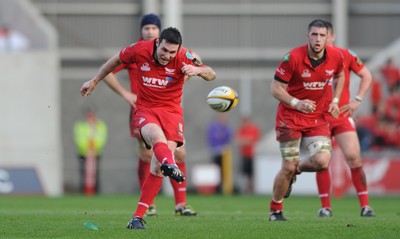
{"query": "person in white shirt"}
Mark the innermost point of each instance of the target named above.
(12, 40)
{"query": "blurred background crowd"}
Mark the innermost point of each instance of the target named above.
(380, 128)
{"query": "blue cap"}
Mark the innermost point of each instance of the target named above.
(150, 19)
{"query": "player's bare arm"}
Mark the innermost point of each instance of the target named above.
(278, 90)
(116, 86)
(104, 70)
(198, 58)
(205, 72)
(333, 106)
(366, 80)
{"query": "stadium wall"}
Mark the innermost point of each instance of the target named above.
(30, 125)
(30, 136)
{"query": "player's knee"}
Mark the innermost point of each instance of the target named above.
(320, 146)
(320, 152)
(353, 159)
(289, 170)
(321, 160)
(323, 164)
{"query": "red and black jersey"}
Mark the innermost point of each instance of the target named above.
(307, 82)
(132, 72)
(352, 63)
(158, 85)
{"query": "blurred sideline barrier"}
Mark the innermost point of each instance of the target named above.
(20, 181)
(381, 169)
(206, 178)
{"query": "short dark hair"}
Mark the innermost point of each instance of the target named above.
(317, 23)
(329, 26)
(171, 35)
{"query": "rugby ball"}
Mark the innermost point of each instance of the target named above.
(222, 99)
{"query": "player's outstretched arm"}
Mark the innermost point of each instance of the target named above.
(198, 60)
(205, 72)
(104, 70)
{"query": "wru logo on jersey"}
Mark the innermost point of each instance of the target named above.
(317, 85)
(155, 82)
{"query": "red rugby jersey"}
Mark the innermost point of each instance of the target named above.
(132, 72)
(158, 86)
(351, 63)
(306, 82)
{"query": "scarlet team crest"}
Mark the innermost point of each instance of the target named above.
(286, 58)
(145, 67)
(306, 74)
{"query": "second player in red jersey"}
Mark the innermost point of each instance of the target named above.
(305, 81)
(343, 130)
(303, 85)
(312, 86)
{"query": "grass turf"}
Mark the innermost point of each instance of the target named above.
(220, 217)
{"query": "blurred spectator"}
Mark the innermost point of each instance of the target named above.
(219, 137)
(247, 137)
(365, 136)
(395, 137)
(381, 133)
(376, 94)
(380, 130)
(90, 139)
(12, 40)
(391, 74)
(392, 106)
(366, 128)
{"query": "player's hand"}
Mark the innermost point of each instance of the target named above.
(334, 110)
(350, 108)
(306, 106)
(88, 87)
(130, 97)
(190, 70)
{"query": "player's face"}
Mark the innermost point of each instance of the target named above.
(330, 38)
(317, 37)
(166, 52)
(150, 32)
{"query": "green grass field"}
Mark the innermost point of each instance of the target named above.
(220, 217)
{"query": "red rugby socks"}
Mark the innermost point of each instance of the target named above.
(360, 183)
(150, 189)
(143, 172)
(180, 188)
(324, 187)
(276, 206)
(163, 153)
